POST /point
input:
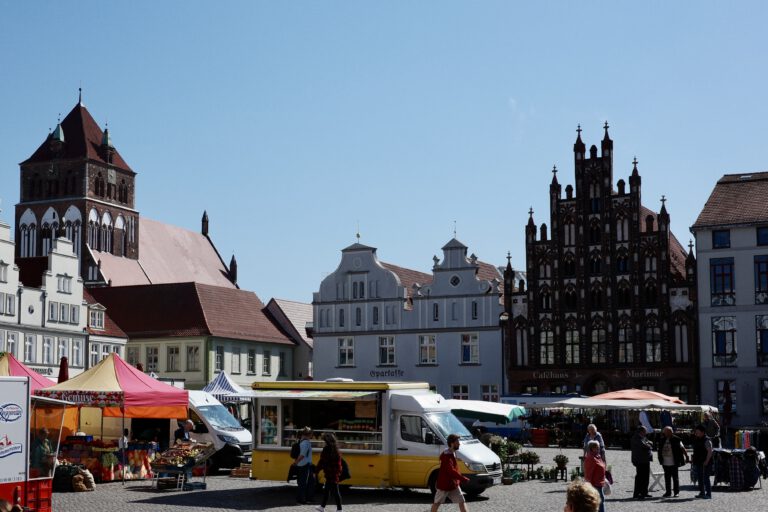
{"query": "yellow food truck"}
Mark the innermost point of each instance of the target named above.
(390, 434)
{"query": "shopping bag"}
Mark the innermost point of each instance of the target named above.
(607, 489)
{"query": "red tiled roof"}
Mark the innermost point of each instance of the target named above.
(82, 139)
(407, 276)
(167, 254)
(489, 272)
(110, 327)
(296, 314)
(736, 199)
(189, 309)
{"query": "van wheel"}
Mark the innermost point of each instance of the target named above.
(433, 483)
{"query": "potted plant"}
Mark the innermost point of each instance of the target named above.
(507, 477)
(530, 458)
(561, 460)
(540, 472)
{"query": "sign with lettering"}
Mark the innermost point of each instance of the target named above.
(386, 373)
(14, 428)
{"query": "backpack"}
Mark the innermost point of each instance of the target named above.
(295, 450)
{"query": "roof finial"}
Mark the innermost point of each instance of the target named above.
(634, 163)
(690, 245)
(578, 130)
(58, 118)
(605, 126)
(80, 95)
(554, 170)
(663, 200)
(509, 257)
(357, 235)
(530, 211)
(454, 229)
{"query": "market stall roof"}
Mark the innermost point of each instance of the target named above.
(636, 394)
(637, 405)
(12, 367)
(486, 411)
(225, 389)
(120, 389)
(311, 394)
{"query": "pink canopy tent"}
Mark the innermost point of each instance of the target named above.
(119, 389)
(12, 367)
(637, 394)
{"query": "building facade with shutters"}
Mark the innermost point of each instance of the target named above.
(732, 251)
(610, 298)
(377, 321)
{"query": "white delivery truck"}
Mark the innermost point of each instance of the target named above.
(390, 434)
(214, 424)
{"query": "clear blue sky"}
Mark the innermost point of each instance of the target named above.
(292, 121)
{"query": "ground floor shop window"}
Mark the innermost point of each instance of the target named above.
(268, 433)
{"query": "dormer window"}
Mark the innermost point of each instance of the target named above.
(96, 319)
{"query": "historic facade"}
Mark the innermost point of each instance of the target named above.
(732, 248)
(378, 321)
(610, 300)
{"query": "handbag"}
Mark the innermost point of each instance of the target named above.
(607, 489)
(344, 475)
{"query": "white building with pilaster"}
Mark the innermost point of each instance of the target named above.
(377, 321)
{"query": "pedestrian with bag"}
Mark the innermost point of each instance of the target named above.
(594, 471)
(701, 460)
(449, 478)
(303, 462)
(672, 455)
(330, 465)
(642, 455)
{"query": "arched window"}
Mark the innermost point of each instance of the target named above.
(651, 293)
(595, 262)
(546, 345)
(649, 263)
(571, 299)
(622, 229)
(569, 265)
(546, 299)
(624, 299)
(599, 344)
(596, 298)
(569, 232)
(47, 235)
(521, 344)
(622, 263)
(652, 341)
(626, 345)
(594, 198)
(545, 269)
(572, 353)
(595, 235)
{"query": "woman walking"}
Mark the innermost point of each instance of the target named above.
(330, 465)
(594, 435)
(594, 471)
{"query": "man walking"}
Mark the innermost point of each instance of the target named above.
(642, 455)
(303, 462)
(449, 478)
(672, 455)
(702, 456)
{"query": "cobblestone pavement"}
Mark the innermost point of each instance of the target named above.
(225, 493)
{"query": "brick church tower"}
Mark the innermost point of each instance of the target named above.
(77, 185)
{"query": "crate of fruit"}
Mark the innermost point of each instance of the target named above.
(184, 455)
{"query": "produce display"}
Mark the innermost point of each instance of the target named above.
(104, 460)
(184, 455)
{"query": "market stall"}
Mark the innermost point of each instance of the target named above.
(615, 418)
(237, 400)
(12, 367)
(107, 395)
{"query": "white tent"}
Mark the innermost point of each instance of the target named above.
(628, 405)
(227, 390)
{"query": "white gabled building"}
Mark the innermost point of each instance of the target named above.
(377, 321)
(42, 314)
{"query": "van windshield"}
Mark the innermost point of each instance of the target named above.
(219, 417)
(446, 423)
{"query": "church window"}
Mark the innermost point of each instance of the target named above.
(546, 300)
(569, 233)
(650, 264)
(652, 342)
(599, 345)
(622, 229)
(681, 340)
(626, 347)
(547, 347)
(594, 198)
(521, 346)
(572, 355)
(622, 264)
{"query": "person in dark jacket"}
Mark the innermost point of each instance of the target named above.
(449, 478)
(330, 465)
(642, 455)
(702, 457)
(672, 455)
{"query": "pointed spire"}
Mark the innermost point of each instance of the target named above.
(634, 167)
(233, 269)
(554, 175)
(578, 146)
(509, 260)
(607, 144)
(530, 218)
(80, 96)
(204, 227)
(605, 127)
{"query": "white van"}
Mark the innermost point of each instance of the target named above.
(390, 434)
(214, 424)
